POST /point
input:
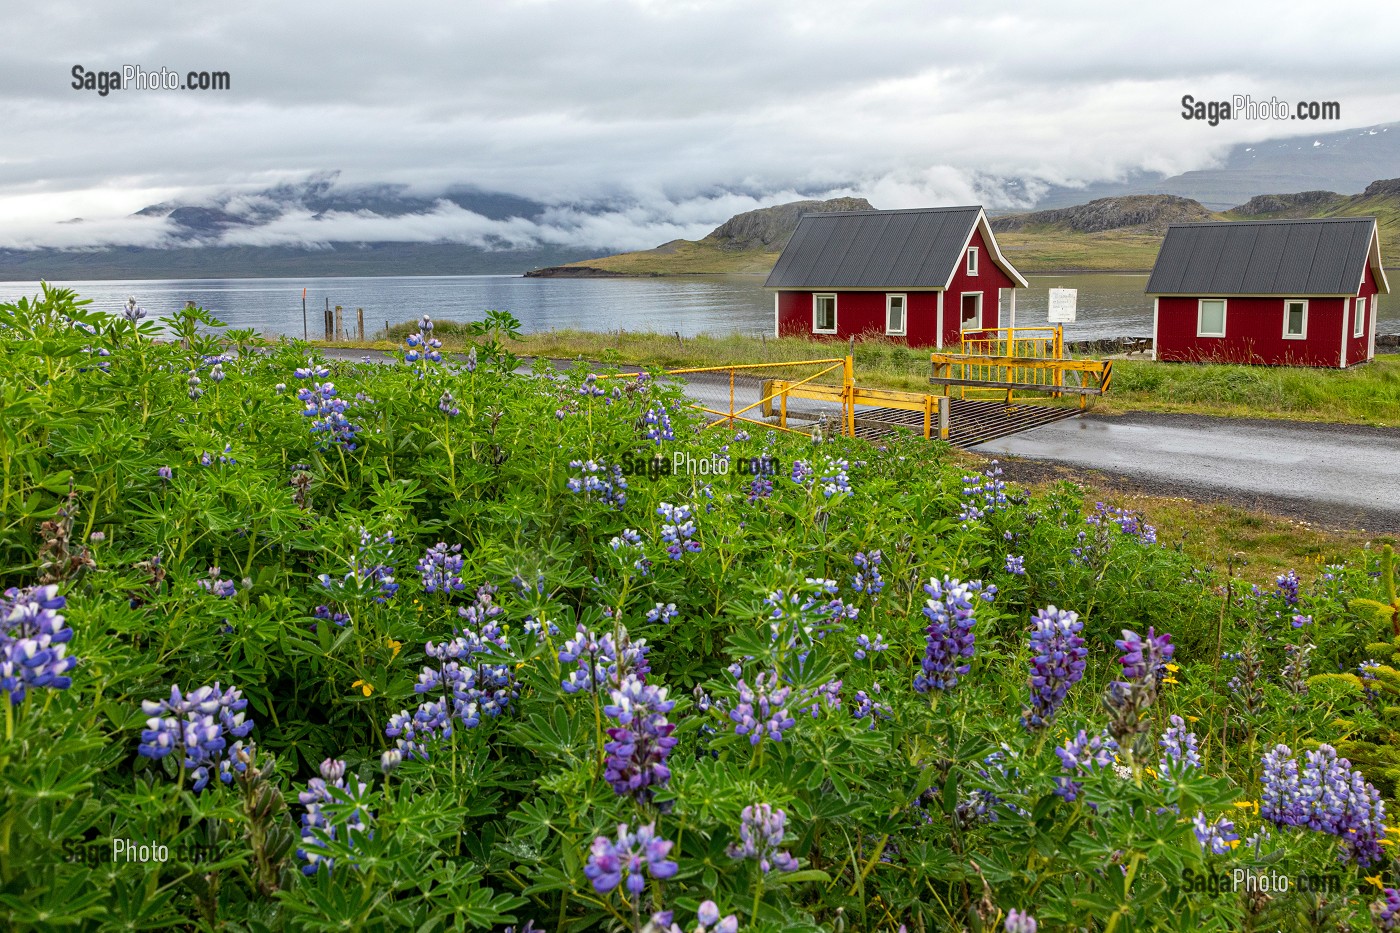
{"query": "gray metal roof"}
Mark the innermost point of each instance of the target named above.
(1263, 257)
(875, 249)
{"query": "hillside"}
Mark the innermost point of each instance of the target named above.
(747, 243)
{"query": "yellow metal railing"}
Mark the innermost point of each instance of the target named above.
(933, 407)
(1019, 343)
(966, 370)
(845, 392)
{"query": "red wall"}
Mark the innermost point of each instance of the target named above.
(1253, 333)
(1357, 346)
(989, 280)
(862, 313)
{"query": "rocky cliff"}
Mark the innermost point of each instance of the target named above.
(1144, 213)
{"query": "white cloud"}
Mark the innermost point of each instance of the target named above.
(660, 107)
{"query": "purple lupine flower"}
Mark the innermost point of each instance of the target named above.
(1057, 663)
(193, 383)
(1386, 912)
(205, 459)
(950, 640)
(327, 413)
(1214, 837)
(1144, 659)
(34, 638)
(1015, 565)
(1328, 796)
(471, 359)
(1287, 587)
(641, 741)
(596, 660)
(133, 312)
(371, 570)
(801, 472)
(199, 725)
(589, 387)
(596, 478)
(658, 424)
(1129, 522)
(662, 612)
(329, 615)
(1366, 670)
(835, 477)
(983, 493)
(1178, 746)
(448, 406)
(217, 585)
(678, 530)
(312, 370)
(1019, 921)
(762, 711)
(761, 487)
(761, 832)
(867, 578)
(1301, 621)
(627, 860)
(319, 826)
(441, 568)
(1280, 802)
(827, 693)
(867, 707)
(164, 472)
(1081, 755)
(865, 646)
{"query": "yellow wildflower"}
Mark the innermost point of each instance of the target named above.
(395, 646)
(1173, 668)
(365, 686)
(1376, 880)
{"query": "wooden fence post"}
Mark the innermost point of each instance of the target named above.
(339, 324)
(360, 324)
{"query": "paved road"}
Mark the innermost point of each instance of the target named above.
(1335, 474)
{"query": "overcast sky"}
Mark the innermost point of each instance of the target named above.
(680, 113)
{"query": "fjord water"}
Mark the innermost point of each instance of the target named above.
(1110, 305)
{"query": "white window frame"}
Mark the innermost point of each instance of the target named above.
(1286, 334)
(962, 323)
(1224, 317)
(1358, 325)
(972, 260)
(903, 314)
(816, 304)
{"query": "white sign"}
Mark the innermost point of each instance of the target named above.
(1062, 305)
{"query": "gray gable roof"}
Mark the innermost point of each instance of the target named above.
(875, 249)
(1263, 257)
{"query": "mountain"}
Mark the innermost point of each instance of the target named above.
(745, 243)
(1124, 233)
(1144, 213)
(1343, 160)
(295, 229)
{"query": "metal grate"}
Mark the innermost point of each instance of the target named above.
(972, 421)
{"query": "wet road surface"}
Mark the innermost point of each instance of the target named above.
(1338, 474)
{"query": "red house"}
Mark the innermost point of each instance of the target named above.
(1271, 292)
(923, 276)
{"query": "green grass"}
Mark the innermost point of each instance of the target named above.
(1367, 394)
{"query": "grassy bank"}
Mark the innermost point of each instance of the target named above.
(1368, 394)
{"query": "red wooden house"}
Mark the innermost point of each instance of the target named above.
(924, 276)
(1271, 292)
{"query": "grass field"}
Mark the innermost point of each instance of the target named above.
(1368, 394)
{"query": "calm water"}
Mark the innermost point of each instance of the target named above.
(1109, 305)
